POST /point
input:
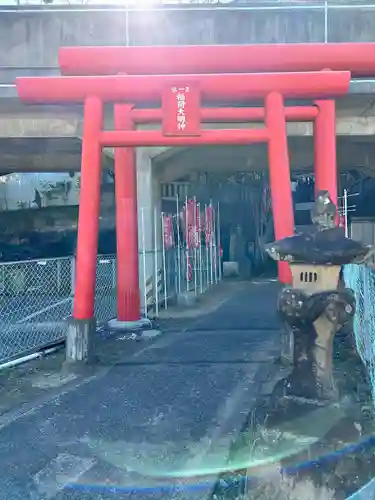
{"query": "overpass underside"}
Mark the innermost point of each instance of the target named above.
(47, 139)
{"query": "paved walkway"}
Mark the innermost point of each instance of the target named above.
(171, 410)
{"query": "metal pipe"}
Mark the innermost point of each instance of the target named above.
(178, 245)
(156, 264)
(29, 357)
(326, 21)
(144, 262)
(164, 262)
(200, 8)
(42, 9)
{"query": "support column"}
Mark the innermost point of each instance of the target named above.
(128, 293)
(81, 327)
(279, 173)
(325, 163)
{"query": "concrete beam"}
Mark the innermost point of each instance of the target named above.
(43, 163)
(53, 162)
(14, 126)
(30, 37)
(356, 118)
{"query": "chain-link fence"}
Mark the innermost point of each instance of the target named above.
(361, 279)
(36, 297)
(105, 291)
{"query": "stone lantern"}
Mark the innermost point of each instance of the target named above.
(314, 308)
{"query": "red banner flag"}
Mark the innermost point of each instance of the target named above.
(209, 225)
(192, 224)
(189, 269)
(198, 226)
(168, 232)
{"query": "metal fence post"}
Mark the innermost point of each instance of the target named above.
(164, 265)
(144, 262)
(113, 272)
(156, 291)
(195, 246)
(72, 274)
(178, 245)
(326, 21)
(219, 239)
(187, 244)
(58, 275)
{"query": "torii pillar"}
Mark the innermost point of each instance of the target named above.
(128, 293)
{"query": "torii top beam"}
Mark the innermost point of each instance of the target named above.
(359, 58)
(214, 88)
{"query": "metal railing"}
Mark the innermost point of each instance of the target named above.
(177, 271)
(248, 5)
(198, 4)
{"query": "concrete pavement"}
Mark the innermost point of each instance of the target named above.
(157, 424)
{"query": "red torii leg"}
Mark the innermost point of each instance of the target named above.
(128, 294)
(82, 326)
(325, 149)
(279, 172)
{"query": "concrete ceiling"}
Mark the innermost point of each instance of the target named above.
(64, 154)
(352, 152)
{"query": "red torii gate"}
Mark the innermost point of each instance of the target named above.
(211, 86)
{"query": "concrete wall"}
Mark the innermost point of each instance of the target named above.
(31, 38)
(149, 208)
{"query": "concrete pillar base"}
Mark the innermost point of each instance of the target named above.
(80, 340)
(129, 326)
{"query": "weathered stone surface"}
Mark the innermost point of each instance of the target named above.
(314, 320)
(324, 244)
(323, 212)
(320, 247)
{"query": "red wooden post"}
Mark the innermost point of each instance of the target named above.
(325, 149)
(128, 295)
(81, 327)
(89, 207)
(279, 171)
